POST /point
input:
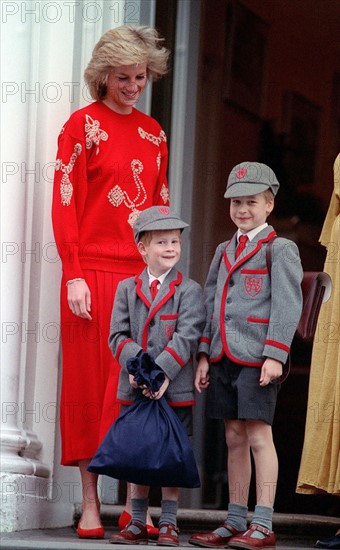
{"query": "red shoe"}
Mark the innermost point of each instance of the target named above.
(128, 537)
(212, 540)
(248, 542)
(125, 519)
(169, 537)
(97, 533)
(153, 532)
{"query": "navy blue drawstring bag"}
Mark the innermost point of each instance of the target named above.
(147, 444)
(146, 371)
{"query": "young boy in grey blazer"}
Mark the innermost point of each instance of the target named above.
(251, 319)
(160, 312)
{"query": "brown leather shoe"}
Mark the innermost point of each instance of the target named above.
(129, 537)
(248, 542)
(212, 540)
(168, 537)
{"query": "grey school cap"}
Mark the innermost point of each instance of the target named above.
(157, 218)
(250, 178)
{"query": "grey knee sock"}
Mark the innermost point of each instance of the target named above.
(169, 512)
(139, 507)
(237, 518)
(263, 515)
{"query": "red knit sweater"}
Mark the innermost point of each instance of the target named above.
(109, 168)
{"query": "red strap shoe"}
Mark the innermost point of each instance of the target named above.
(248, 542)
(125, 518)
(127, 536)
(212, 540)
(168, 535)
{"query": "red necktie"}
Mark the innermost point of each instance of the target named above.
(154, 288)
(241, 245)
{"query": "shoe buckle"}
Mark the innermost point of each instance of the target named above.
(263, 530)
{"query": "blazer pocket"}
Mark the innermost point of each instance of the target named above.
(168, 324)
(258, 320)
(169, 317)
(254, 284)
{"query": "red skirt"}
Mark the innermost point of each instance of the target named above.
(90, 373)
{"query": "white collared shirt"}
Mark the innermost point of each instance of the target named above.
(160, 278)
(251, 234)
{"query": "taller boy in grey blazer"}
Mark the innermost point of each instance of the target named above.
(251, 319)
(168, 327)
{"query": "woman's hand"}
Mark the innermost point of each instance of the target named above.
(79, 299)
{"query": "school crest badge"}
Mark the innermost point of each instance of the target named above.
(169, 329)
(253, 285)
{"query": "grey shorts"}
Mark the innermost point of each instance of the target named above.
(234, 393)
(184, 414)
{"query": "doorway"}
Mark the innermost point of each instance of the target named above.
(260, 99)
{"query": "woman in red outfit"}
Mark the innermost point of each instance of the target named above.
(111, 164)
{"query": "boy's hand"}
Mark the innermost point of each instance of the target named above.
(202, 373)
(148, 393)
(270, 371)
(133, 382)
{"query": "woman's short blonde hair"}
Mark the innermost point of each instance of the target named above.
(126, 45)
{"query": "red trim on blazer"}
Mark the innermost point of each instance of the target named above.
(204, 340)
(226, 259)
(120, 347)
(277, 345)
(222, 309)
(124, 402)
(244, 363)
(231, 268)
(254, 271)
(154, 310)
(257, 320)
(175, 356)
(139, 292)
(169, 317)
(218, 358)
(235, 360)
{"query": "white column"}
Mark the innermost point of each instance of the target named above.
(17, 471)
(37, 39)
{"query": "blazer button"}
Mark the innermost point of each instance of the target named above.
(229, 300)
(227, 317)
(231, 282)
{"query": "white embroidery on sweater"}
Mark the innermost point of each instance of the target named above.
(66, 187)
(165, 193)
(150, 137)
(93, 133)
(117, 195)
(158, 161)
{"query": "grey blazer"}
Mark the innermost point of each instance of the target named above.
(250, 314)
(167, 328)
